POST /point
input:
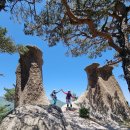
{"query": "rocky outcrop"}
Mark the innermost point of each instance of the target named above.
(30, 117)
(91, 123)
(29, 89)
(104, 96)
(38, 117)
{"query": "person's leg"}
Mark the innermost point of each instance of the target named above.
(54, 99)
(67, 102)
(70, 102)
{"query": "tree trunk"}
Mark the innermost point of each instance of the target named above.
(126, 69)
(125, 54)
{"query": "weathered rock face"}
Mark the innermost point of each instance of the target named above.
(29, 89)
(104, 96)
(40, 117)
(30, 117)
(104, 99)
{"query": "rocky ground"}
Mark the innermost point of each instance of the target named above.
(92, 122)
(33, 117)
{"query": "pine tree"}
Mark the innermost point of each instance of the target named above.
(6, 44)
(84, 26)
(10, 94)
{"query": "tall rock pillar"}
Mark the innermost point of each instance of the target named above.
(104, 93)
(29, 88)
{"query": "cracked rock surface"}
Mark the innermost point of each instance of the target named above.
(50, 117)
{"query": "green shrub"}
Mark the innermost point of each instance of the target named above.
(3, 112)
(2, 116)
(84, 112)
(10, 94)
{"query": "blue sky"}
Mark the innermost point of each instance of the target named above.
(59, 71)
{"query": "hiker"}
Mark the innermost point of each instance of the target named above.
(68, 98)
(54, 97)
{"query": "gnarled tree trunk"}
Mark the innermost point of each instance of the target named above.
(126, 69)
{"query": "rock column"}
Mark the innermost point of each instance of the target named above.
(104, 93)
(29, 88)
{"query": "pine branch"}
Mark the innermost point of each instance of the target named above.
(110, 62)
(92, 27)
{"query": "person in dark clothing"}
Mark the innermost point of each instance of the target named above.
(68, 98)
(54, 97)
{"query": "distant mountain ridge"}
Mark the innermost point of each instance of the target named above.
(4, 102)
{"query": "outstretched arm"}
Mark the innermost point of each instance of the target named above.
(63, 92)
(73, 96)
(58, 91)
